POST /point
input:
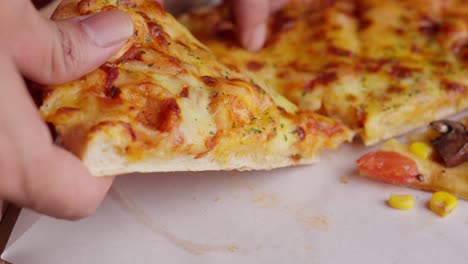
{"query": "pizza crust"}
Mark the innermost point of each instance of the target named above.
(102, 158)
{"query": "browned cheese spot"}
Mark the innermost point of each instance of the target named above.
(184, 93)
(254, 65)
(209, 81)
(322, 79)
(160, 114)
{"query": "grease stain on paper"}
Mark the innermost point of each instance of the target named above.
(344, 179)
(265, 199)
(273, 200)
(139, 215)
(309, 221)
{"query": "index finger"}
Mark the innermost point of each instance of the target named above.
(251, 18)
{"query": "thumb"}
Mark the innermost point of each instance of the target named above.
(56, 52)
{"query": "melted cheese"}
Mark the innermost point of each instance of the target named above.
(373, 64)
(197, 122)
(164, 103)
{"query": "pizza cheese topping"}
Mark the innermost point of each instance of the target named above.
(165, 103)
(370, 63)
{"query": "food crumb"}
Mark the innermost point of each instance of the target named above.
(233, 248)
(217, 199)
(259, 199)
(344, 180)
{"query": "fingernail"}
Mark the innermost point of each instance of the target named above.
(109, 28)
(256, 38)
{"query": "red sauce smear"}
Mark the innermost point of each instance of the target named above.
(255, 65)
(372, 65)
(133, 53)
(300, 132)
(395, 89)
(332, 130)
(360, 116)
(130, 130)
(322, 79)
(364, 24)
(160, 114)
(340, 52)
(112, 74)
(208, 80)
(400, 72)
(184, 93)
(463, 53)
(429, 26)
(159, 35)
(453, 86)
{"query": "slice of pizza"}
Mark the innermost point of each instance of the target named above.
(436, 160)
(373, 64)
(164, 103)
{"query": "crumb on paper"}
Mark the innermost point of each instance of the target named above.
(309, 221)
(233, 248)
(266, 199)
(259, 199)
(344, 180)
(217, 200)
(319, 222)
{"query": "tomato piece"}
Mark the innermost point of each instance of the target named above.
(388, 166)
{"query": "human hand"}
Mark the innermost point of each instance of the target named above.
(33, 171)
(251, 18)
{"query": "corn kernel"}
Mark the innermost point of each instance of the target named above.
(421, 149)
(402, 202)
(442, 203)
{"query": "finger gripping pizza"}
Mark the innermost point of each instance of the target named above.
(165, 103)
